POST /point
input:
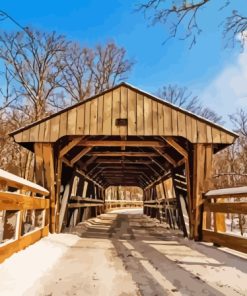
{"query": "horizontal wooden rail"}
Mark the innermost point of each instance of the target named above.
(8, 179)
(215, 201)
(8, 249)
(235, 192)
(86, 199)
(226, 240)
(235, 208)
(84, 205)
(12, 201)
(15, 207)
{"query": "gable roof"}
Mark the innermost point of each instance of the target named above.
(146, 115)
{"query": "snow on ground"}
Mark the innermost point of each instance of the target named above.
(123, 253)
(20, 271)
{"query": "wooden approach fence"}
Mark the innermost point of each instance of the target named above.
(24, 214)
(218, 203)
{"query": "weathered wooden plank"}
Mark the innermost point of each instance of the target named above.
(230, 207)
(155, 117)
(69, 146)
(219, 219)
(148, 117)
(140, 115)
(188, 124)
(84, 205)
(174, 122)
(167, 120)
(123, 109)
(223, 137)
(209, 134)
(39, 164)
(107, 117)
(12, 201)
(229, 241)
(93, 117)
(34, 133)
(115, 111)
(194, 135)
(160, 120)
(110, 143)
(132, 116)
(216, 135)
(63, 124)
(20, 244)
(201, 132)
(50, 182)
(129, 154)
(181, 124)
(71, 125)
(55, 126)
(80, 155)
(100, 115)
(202, 170)
(80, 120)
(47, 131)
(87, 118)
(26, 135)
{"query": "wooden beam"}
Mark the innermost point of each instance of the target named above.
(84, 205)
(48, 155)
(120, 161)
(12, 201)
(231, 207)
(95, 143)
(80, 155)
(176, 146)
(69, 146)
(166, 156)
(229, 241)
(127, 154)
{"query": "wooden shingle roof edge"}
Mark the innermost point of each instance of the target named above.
(138, 90)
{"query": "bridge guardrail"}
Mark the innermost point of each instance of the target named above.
(111, 204)
(218, 203)
(24, 213)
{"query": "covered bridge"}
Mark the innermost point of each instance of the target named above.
(123, 136)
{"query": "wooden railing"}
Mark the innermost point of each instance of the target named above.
(218, 203)
(111, 204)
(24, 214)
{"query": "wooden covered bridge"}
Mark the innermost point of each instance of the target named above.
(125, 136)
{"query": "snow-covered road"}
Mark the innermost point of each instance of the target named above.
(122, 253)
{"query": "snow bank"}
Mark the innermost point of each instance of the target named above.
(21, 270)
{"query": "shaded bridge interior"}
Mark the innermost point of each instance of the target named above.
(111, 161)
(98, 162)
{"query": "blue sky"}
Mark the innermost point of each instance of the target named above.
(216, 74)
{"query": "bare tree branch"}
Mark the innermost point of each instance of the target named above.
(181, 97)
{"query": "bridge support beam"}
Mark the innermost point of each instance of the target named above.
(202, 181)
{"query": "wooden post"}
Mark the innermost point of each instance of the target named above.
(202, 170)
(49, 180)
(219, 218)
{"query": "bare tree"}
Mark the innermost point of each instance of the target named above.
(110, 66)
(181, 17)
(34, 63)
(239, 119)
(182, 97)
(90, 71)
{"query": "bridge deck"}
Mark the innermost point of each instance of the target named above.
(126, 253)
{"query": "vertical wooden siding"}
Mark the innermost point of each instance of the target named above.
(145, 116)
